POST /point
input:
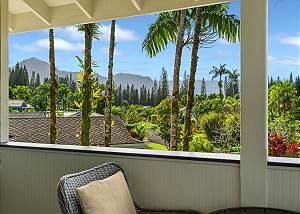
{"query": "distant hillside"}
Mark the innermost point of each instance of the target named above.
(42, 68)
(137, 80)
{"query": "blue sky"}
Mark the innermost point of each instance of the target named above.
(284, 46)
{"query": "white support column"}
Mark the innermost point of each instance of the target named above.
(254, 97)
(4, 25)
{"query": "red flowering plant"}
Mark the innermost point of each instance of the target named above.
(278, 146)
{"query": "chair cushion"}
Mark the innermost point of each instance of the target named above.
(110, 196)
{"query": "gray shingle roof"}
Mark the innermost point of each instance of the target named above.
(34, 128)
(26, 115)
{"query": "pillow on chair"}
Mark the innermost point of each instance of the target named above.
(109, 196)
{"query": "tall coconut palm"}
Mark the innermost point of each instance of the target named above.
(210, 23)
(169, 27)
(108, 91)
(219, 72)
(53, 87)
(234, 80)
(191, 84)
(175, 91)
(91, 31)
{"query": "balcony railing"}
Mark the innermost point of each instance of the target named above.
(157, 179)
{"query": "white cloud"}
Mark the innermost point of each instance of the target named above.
(26, 48)
(284, 61)
(42, 44)
(60, 44)
(121, 34)
(290, 40)
(117, 52)
(70, 32)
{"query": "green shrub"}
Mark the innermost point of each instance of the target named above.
(163, 115)
(131, 114)
(204, 105)
(228, 135)
(200, 143)
(210, 124)
(139, 130)
(287, 127)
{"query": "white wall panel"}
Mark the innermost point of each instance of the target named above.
(284, 188)
(29, 179)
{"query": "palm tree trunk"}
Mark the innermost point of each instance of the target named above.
(53, 87)
(108, 91)
(220, 87)
(175, 92)
(87, 88)
(191, 86)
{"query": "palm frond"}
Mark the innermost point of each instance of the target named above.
(161, 32)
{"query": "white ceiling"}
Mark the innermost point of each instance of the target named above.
(29, 15)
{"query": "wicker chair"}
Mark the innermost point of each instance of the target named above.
(67, 197)
(252, 210)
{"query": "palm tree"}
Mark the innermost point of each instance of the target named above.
(234, 79)
(191, 84)
(219, 72)
(53, 87)
(108, 91)
(169, 27)
(175, 91)
(209, 23)
(91, 31)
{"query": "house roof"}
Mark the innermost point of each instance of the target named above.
(35, 129)
(16, 103)
(28, 15)
(26, 115)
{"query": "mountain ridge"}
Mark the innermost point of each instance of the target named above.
(42, 68)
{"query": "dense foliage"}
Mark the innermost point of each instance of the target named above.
(215, 117)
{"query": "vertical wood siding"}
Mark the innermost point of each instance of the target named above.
(284, 188)
(29, 181)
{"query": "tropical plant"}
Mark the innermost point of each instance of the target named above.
(232, 105)
(191, 85)
(63, 96)
(91, 31)
(228, 134)
(109, 86)
(163, 113)
(140, 130)
(209, 23)
(169, 27)
(21, 92)
(200, 143)
(285, 126)
(40, 98)
(211, 123)
(279, 148)
(282, 99)
(219, 72)
(204, 105)
(53, 87)
(175, 91)
(234, 81)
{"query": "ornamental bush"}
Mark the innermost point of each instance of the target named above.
(210, 124)
(279, 148)
(200, 143)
